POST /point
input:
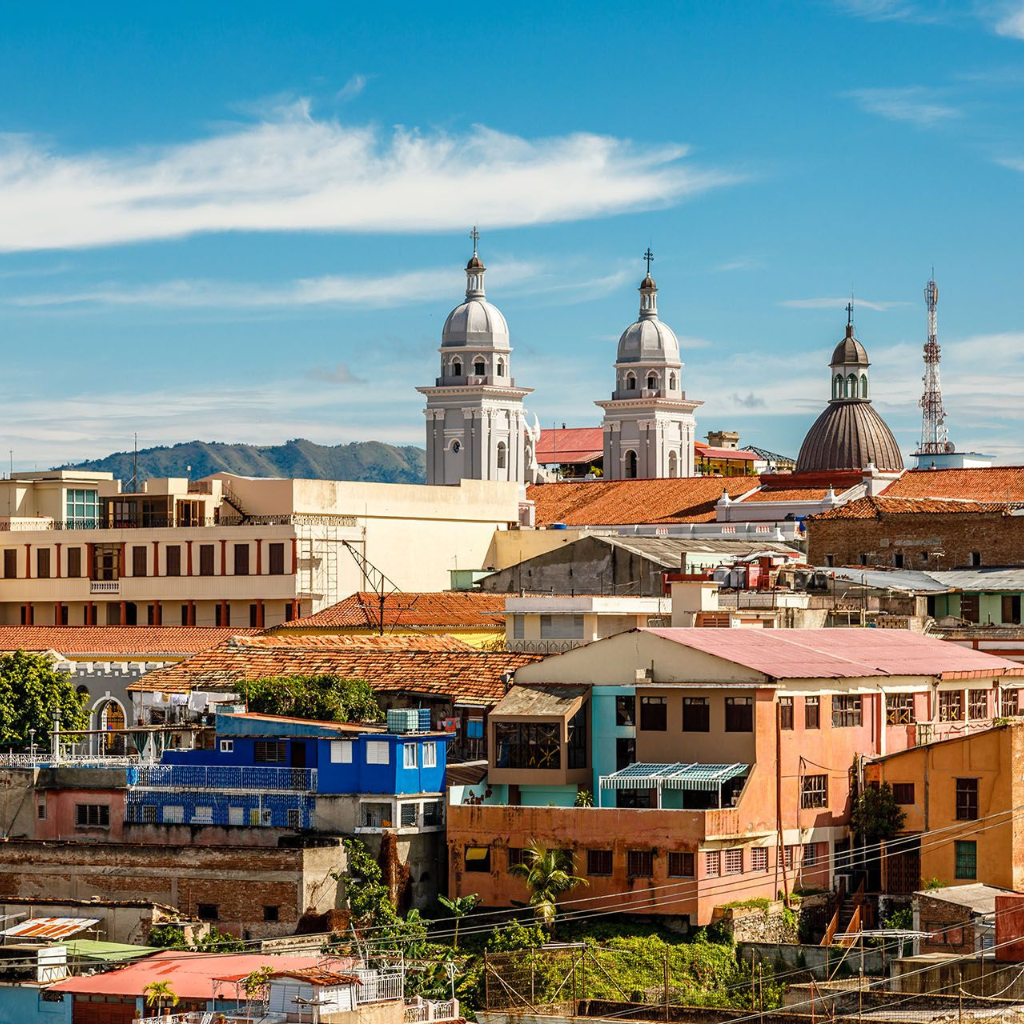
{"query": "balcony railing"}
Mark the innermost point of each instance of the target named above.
(428, 1010)
(380, 986)
(43, 759)
(104, 587)
(252, 778)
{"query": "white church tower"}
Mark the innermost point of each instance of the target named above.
(475, 418)
(648, 424)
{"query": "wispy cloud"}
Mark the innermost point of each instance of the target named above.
(840, 303)
(742, 263)
(352, 88)
(295, 172)
(913, 104)
(1014, 163)
(340, 374)
(881, 10)
(747, 401)
(1010, 20)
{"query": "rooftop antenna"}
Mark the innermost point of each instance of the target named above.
(933, 415)
(135, 466)
(475, 235)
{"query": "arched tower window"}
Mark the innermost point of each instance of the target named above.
(630, 464)
(456, 367)
(863, 385)
(673, 464)
(502, 455)
(630, 382)
(479, 367)
(652, 381)
(673, 382)
(501, 367)
(851, 386)
(837, 386)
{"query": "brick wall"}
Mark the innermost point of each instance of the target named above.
(998, 538)
(954, 932)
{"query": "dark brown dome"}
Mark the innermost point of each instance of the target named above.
(648, 282)
(475, 263)
(850, 350)
(849, 435)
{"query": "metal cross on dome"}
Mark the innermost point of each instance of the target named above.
(849, 314)
(648, 256)
(475, 235)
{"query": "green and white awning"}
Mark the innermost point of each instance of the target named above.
(673, 776)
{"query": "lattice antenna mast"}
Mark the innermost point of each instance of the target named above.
(933, 415)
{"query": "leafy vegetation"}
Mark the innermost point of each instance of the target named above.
(876, 815)
(458, 907)
(160, 994)
(32, 691)
(548, 873)
(319, 698)
(169, 936)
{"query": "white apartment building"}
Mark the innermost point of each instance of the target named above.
(228, 550)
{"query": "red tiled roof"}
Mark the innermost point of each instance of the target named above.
(994, 483)
(464, 676)
(790, 494)
(840, 653)
(362, 641)
(192, 975)
(446, 610)
(570, 445)
(124, 641)
(625, 502)
(874, 507)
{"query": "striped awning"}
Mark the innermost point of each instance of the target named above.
(673, 776)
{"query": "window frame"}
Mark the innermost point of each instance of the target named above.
(732, 862)
(712, 863)
(951, 705)
(380, 751)
(410, 756)
(847, 711)
(967, 792)
(814, 791)
(649, 720)
(965, 857)
(739, 714)
(696, 714)
(758, 854)
(600, 863)
(977, 704)
(812, 712)
(640, 863)
(430, 754)
(625, 711)
(899, 709)
(901, 791)
(786, 714)
(682, 864)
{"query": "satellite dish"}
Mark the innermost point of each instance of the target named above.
(949, 447)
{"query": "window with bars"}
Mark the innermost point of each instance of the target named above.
(696, 714)
(788, 854)
(814, 791)
(785, 712)
(92, 816)
(739, 714)
(599, 862)
(734, 861)
(903, 792)
(407, 815)
(1009, 706)
(810, 855)
(812, 712)
(966, 859)
(516, 855)
(759, 858)
(951, 706)
(680, 865)
(977, 704)
(432, 812)
(712, 863)
(899, 709)
(846, 712)
(654, 714)
(966, 799)
(640, 863)
(270, 752)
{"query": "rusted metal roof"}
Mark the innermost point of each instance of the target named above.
(50, 927)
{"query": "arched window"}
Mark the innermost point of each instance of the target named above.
(837, 386)
(851, 386)
(456, 367)
(652, 381)
(479, 367)
(630, 464)
(502, 455)
(501, 367)
(630, 382)
(672, 382)
(673, 464)
(863, 385)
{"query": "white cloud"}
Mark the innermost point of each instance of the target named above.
(913, 104)
(294, 172)
(840, 303)
(352, 88)
(1010, 22)
(880, 10)
(1013, 163)
(339, 374)
(742, 263)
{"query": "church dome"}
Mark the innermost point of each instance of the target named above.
(478, 322)
(849, 435)
(850, 352)
(648, 340)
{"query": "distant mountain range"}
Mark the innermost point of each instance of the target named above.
(299, 459)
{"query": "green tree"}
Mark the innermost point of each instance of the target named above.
(548, 873)
(322, 698)
(876, 815)
(459, 907)
(32, 691)
(169, 936)
(368, 897)
(160, 994)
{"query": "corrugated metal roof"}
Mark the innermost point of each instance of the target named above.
(673, 776)
(982, 579)
(977, 897)
(50, 927)
(909, 580)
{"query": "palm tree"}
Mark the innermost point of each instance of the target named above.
(459, 907)
(160, 994)
(547, 873)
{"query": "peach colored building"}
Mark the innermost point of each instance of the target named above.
(719, 762)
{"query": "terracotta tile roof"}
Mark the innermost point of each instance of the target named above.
(705, 451)
(625, 502)
(790, 494)
(840, 653)
(123, 641)
(995, 484)
(368, 641)
(446, 610)
(570, 445)
(464, 676)
(876, 507)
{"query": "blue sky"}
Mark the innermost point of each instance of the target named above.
(248, 222)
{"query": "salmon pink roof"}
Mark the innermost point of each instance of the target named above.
(192, 975)
(706, 451)
(841, 653)
(570, 445)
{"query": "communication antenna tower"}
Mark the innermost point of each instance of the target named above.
(933, 415)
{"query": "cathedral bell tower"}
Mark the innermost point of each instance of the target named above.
(475, 417)
(648, 423)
